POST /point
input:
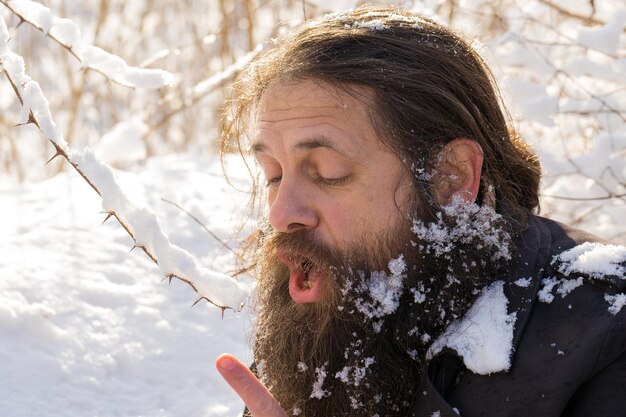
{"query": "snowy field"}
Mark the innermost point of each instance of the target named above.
(90, 330)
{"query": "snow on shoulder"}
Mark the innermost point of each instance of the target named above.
(484, 336)
(616, 302)
(596, 260)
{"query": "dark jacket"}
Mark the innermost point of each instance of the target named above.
(569, 356)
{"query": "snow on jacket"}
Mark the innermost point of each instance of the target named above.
(566, 355)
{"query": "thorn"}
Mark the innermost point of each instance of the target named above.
(107, 218)
(20, 22)
(223, 309)
(133, 248)
(54, 156)
(196, 302)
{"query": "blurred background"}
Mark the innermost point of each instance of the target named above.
(560, 64)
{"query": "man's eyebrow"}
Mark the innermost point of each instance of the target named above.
(319, 142)
(307, 144)
(312, 143)
(258, 147)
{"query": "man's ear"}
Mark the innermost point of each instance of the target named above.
(458, 171)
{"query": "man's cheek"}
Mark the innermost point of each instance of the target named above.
(340, 224)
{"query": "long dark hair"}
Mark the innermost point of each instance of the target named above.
(428, 85)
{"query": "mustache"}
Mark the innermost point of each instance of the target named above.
(301, 244)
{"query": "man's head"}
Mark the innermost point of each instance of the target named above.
(385, 154)
(422, 87)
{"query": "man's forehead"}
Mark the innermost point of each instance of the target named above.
(282, 96)
(316, 114)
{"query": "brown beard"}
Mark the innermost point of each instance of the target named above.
(337, 358)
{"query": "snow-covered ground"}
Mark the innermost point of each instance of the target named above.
(89, 329)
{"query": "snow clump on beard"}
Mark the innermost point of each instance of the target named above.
(460, 223)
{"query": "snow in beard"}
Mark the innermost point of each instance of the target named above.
(377, 295)
(373, 296)
(460, 230)
(471, 223)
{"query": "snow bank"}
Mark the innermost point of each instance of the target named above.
(89, 329)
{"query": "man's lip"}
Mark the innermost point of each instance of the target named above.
(292, 261)
(282, 256)
(303, 287)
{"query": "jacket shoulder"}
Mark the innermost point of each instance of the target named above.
(576, 254)
(569, 326)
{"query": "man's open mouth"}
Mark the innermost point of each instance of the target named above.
(307, 266)
(304, 278)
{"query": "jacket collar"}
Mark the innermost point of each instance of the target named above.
(526, 273)
(533, 247)
(518, 289)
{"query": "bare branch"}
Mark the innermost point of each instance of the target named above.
(569, 13)
(204, 88)
(200, 223)
(606, 197)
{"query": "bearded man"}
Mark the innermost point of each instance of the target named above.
(401, 270)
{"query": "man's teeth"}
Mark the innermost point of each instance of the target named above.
(306, 266)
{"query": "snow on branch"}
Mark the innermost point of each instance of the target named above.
(66, 33)
(140, 222)
(204, 87)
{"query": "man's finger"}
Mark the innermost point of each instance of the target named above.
(259, 400)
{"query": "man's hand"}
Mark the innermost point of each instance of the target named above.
(253, 393)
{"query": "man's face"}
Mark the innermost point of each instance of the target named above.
(327, 173)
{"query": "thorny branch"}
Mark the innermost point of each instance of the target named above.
(59, 151)
(58, 41)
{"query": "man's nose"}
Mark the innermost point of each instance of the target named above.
(291, 209)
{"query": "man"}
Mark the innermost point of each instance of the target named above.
(402, 270)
